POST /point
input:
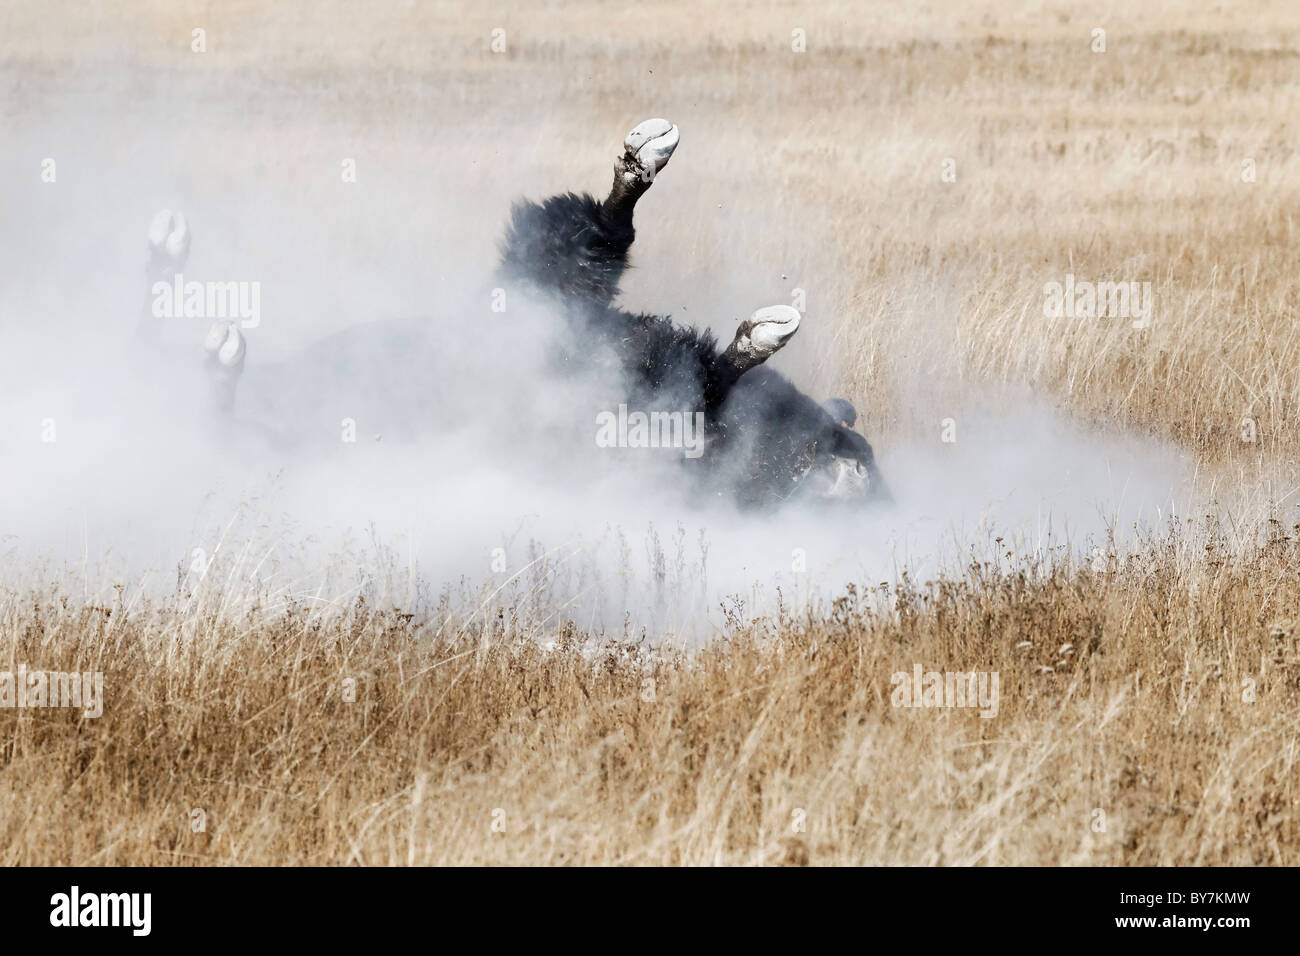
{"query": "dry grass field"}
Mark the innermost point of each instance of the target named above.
(1150, 702)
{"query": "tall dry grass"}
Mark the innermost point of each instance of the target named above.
(1147, 714)
(1164, 733)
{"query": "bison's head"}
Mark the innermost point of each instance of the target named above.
(776, 445)
(781, 444)
(841, 464)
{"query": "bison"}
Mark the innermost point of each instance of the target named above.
(765, 442)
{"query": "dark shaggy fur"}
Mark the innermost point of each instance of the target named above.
(568, 245)
(765, 441)
(764, 435)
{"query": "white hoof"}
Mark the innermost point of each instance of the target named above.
(650, 146)
(225, 343)
(169, 236)
(767, 330)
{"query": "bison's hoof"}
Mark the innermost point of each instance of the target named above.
(169, 239)
(224, 343)
(649, 147)
(770, 328)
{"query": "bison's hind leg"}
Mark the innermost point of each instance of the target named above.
(226, 350)
(169, 249)
(169, 244)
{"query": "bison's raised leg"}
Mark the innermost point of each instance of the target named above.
(575, 246)
(757, 339)
(226, 349)
(169, 249)
(169, 243)
(646, 150)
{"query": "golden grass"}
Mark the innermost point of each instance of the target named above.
(818, 170)
(1165, 733)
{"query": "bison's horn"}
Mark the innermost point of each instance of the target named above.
(842, 410)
